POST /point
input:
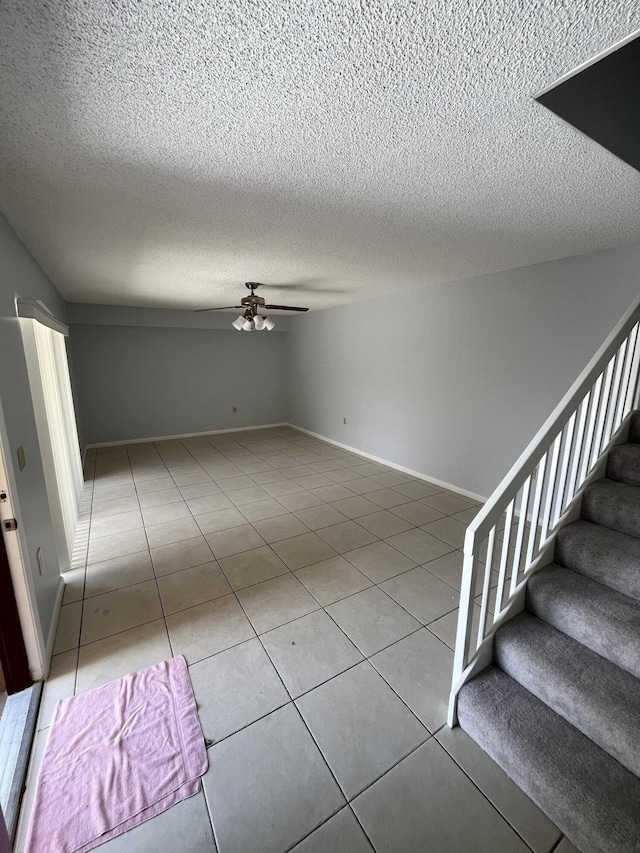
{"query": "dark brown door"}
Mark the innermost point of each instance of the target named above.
(13, 655)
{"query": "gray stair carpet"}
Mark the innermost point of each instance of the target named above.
(590, 692)
(601, 554)
(598, 617)
(613, 504)
(589, 795)
(623, 464)
(560, 708)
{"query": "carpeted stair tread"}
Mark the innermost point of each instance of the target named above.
(613, 504)
(590, 796)
(623, 464)
(591, 693)
(634, 427)
(606, 556)
(601, 619)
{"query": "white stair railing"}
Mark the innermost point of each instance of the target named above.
(512, 534)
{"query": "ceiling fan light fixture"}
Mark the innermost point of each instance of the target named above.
(268, 324)
(258, 322)
(247, 325)
(238, 323)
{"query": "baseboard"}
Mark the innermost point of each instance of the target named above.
(182, 435)
(417, 474)
(55, 618)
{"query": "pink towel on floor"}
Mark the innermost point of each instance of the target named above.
(115, 757)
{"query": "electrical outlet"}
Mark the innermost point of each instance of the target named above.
(40, 561)
(344, 420)
(235, 409)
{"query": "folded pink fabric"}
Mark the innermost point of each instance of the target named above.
(115, 757)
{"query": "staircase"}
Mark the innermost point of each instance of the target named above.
(559, 709)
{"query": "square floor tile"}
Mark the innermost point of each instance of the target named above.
(356, 507)
(417, 513)
(425, 596)
(109, 525)
(314, 481)
(387, 498)
(467, 515)
(222, 519)
(361, 485)
(513, 804)
(114, 507)
(233, 484)
(181, 555)
(116, 545)
(384, 523)
(448, 568)
(279, 488)
(332, 579)
(304, 550)
(208, 628)
(189, 587)
(172, 531)
(185, 826)
(446, 503)
(149, 486)
(419, 669)
(199, 490)
(251, 567)
(115, 656)
(280, 527)
(208, 503)
(119, 610)
(309, 651)
(106, 493)
(334, 492)
(445, 627)
(68, 630)
(418, 805)
(240, 497)
(160, 497)
(372, 620)
(300, 500)
(114, 574)
(340, 834)
(379, 561)
(235, 540)
(416, 489)
(346, 536)
(390, 478)
(419, 546)
(361, 726)
(259, 510)
(192, 478)
(275, 602)
(323, 515)
(269, 782)
(162, 514)
(235, 688)
(447, 529)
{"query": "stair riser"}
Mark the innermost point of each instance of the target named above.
(617, 514)
(634, 428)
(623, 464)
(591, 551)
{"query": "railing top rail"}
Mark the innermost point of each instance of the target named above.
(512, 482)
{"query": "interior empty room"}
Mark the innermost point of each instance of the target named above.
(320, 344)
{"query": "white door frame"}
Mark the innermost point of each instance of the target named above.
(18, 555)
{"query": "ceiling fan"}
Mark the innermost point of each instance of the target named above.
(251, 319)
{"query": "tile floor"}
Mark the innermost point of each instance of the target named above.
(313, 594)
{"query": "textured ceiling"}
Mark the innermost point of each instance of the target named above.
(162, 153)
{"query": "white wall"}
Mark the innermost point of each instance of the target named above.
(152, 380)
(20, 276)
(453, 381)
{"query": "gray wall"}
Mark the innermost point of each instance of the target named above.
(154, 380)
(20, 276)
(453, 381)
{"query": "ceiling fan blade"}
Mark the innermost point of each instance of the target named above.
(283, 308)
(224, 308)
